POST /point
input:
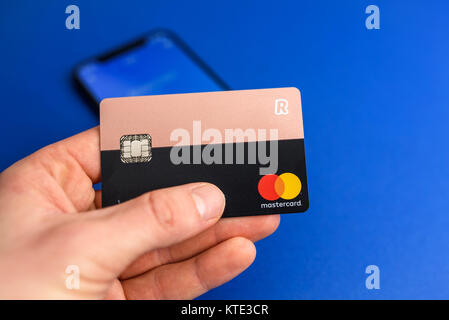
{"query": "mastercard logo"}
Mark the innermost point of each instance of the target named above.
(286, 186)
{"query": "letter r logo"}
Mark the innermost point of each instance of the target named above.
(280, 106)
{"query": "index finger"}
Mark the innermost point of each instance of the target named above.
(72, 165)
(84, 148)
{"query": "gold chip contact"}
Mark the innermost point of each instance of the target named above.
(135, 148)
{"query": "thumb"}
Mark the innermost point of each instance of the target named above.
(156, 219)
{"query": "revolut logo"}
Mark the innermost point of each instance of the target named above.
(286, 186)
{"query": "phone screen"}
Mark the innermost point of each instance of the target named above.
(157, 64)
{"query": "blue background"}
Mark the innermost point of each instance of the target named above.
(376, 110)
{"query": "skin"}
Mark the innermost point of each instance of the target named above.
(165, 244)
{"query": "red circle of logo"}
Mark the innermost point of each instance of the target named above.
(267, 188)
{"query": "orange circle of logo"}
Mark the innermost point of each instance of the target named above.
(286, 186)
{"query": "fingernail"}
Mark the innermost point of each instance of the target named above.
(209, 201)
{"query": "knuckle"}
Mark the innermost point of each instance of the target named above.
(161, 207)
(199, 275)
(51, 152)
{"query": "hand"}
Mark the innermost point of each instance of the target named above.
(166, 244)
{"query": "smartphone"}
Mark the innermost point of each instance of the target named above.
(157, 63)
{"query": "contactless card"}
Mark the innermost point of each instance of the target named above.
(249, 143)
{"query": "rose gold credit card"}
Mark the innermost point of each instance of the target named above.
(250, 143)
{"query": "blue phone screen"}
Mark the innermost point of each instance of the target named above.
(159, 66)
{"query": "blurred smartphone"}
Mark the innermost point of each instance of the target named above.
(158, 63)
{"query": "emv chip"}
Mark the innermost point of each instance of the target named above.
(135, 148)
